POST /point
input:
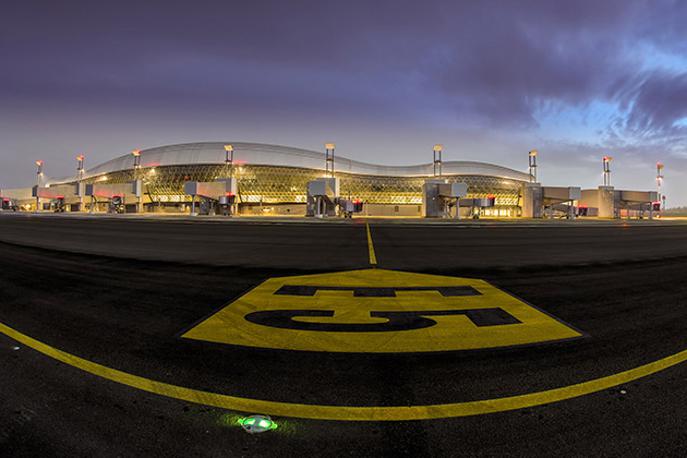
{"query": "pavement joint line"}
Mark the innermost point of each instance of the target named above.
(349, 413)
(370, 246)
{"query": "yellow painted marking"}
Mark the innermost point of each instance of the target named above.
(370, 246)
(342, 413)
(451, 332)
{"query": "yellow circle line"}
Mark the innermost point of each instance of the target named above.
(346, 413)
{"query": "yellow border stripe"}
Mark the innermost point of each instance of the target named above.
(325, 412)
(370, 246)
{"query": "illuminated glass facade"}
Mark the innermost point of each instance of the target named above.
(282, 185)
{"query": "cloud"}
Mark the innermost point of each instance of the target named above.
(578, 77)
(657, 103)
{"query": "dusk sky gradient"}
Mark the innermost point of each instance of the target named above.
(384, 80)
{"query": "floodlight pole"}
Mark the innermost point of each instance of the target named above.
(533, 165)
(607, 170)
(437, 159)
(137, 174)
(329, 159)
(229, 159)
(39, 179)
(137, 159)
(659, 180)
(79, 177)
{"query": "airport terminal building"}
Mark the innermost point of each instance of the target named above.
(274, 180)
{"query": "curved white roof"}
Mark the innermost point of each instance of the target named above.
(260, 154)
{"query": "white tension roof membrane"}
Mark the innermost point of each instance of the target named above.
(275, 155)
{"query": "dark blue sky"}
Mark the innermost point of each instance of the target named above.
(385, 80)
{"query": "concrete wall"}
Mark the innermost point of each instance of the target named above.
(532, 202)
(561, 193)
(431, 202)
(638, 196)
(602, 199)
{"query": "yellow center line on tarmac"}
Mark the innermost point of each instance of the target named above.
(370, 246)
(345, 413)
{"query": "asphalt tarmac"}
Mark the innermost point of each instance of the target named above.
(121, 292)
(405, 244)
